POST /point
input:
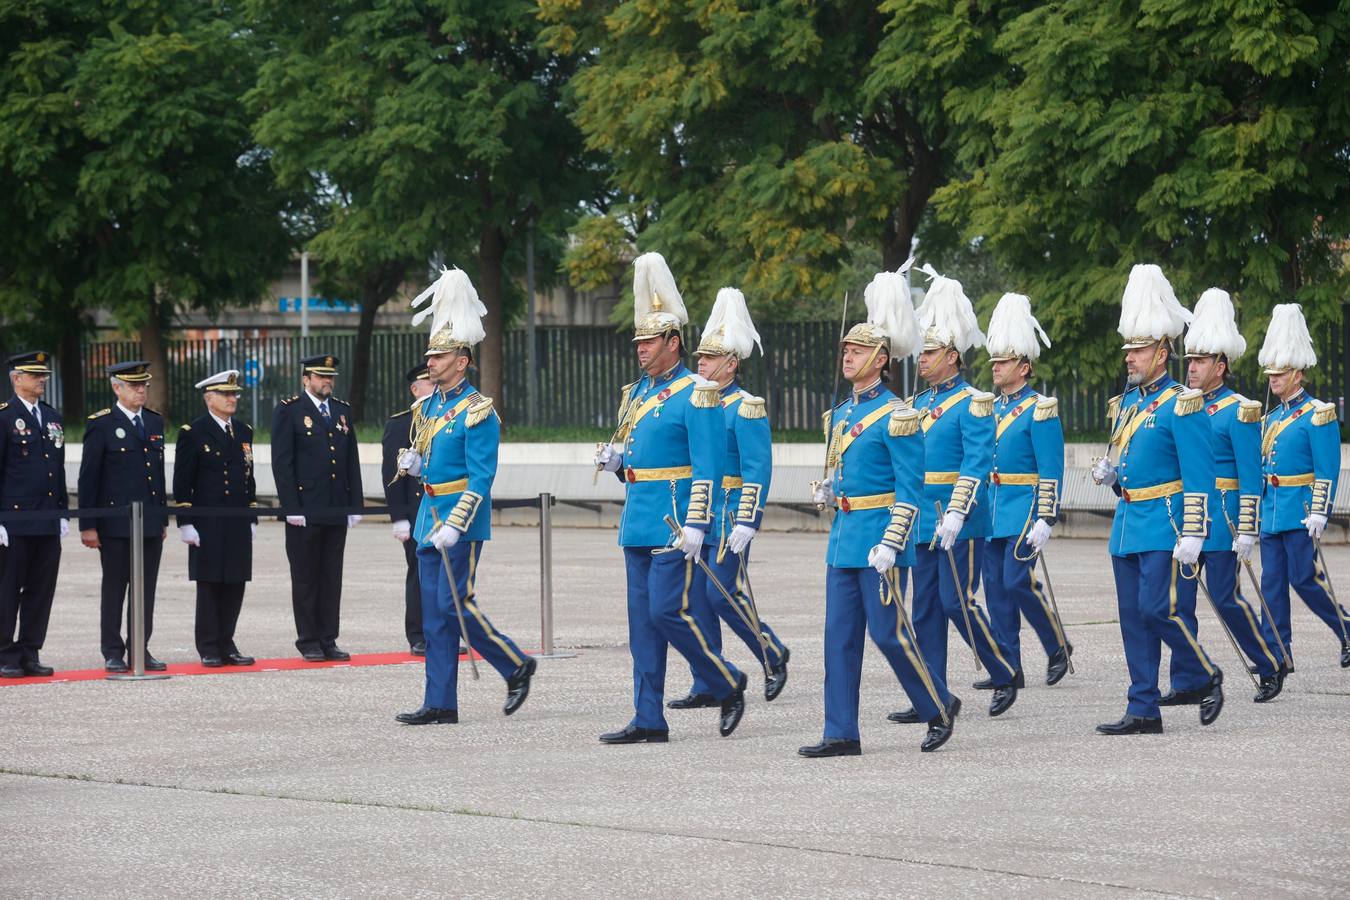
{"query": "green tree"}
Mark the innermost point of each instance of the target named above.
(433, 131)
(128, 178)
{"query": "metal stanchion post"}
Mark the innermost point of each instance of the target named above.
(137, 635)
(546, 650)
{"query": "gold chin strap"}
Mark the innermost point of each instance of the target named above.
(870, 359)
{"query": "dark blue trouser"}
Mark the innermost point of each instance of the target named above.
(853, 604)
(440, 624)
(1256, 640)
(665, 607)
(730, 574)
(937, 602)
(1156, 605)
(1011, 591)
(1289, 559)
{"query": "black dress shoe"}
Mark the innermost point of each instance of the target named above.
(1212, 704)
(904, 717)
(938, 733)
(313, 655)
(518, 685)
(777, 680)
(212, 662)
(831, 747)
(1004, 697)
(1058, 665)
(12, 672)
(693, 700)
(154, 665)
(1183, 698)
(1345, 655)
(38, 669)
(418, 649)
(238, 659)
(733, 707)
(337, 653)
(429, 715)
(1132, 725)
(114, 664)
(987, 684)
(1271, 685)
(632, 734)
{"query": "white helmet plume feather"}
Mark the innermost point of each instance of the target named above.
(454, 305)
(1014, 330)
(946, 313)
(1214, 327)
(1288, 344)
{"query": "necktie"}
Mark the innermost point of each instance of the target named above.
(327, 417)
(37, 416)
(140, 426)
(229, 428)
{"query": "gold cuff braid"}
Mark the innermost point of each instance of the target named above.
(700, 507)
(900, 526)
(749, 507)
(1249, 514)
(963, 495)
(1195, 514)
(1321, 497)
(465, 509)
(1047, 499)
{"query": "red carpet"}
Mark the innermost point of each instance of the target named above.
(263, 665)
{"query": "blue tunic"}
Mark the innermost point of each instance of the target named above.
(959, 448)
(1028, 463)
(1235, 435)
(1301, 462)
(460, 463)
(749, 463)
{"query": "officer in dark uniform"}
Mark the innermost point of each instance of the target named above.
(315, 464)
(403, 496)
(123, 461)
(213, 468)
(32, 477)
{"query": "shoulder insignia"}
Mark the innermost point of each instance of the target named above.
(706, 397)
(101, 412)
(981, 403)
(904, 422)
(825, 419)
(1113, 407)
(628, 387)
(4, 405)
(1249, 411)
(751, 407)
(290, 400)
(338, 400)
(406, 412)
(1189, 401)
(1324, 414)
(478, 411)
(1047, 408)
(185, 428)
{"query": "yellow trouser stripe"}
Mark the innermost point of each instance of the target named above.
(1049, 610)
(975, 610)
(1250, 616)
(742, 595)
(479, 617)
(693, 626)
(911, 652)
(1186, 632)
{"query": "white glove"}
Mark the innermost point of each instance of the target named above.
(352, 521)
(410, 461)
(1187, 550)
(4, 537)
(1243, 544)
(188, 535)
(741, 536)
(252, 531)
(65, 527)
(297, 521)
(1316, 524)
(445, 537)
(823, 494)
(692, 542)
(609, 458)
(1039, 535)
(881, 558)
(950, 528)
(402, 530)
(1104, 472)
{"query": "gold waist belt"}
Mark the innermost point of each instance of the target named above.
(446, 487)
(1138, 495)
(868, 501)
(1014, 477)
(674, 473)
(730, 482)
(1303, 480)
(940, 477)
(1226, 484)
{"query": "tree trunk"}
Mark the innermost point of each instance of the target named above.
(360, 383)
(491, 252)
(72, 373)
(157, 354)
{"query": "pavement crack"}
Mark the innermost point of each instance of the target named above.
(565, 823)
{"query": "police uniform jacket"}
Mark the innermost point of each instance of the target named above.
(875, 445)
(314, 464)
(401, 495)
(1166, 467)
(959, 453)
(459, 463)
(674, 438)
(212, 470)
(32, 467)
(749, 463)
(1235, 436)
(1028, 463)
(118, 467)
(1301, 462)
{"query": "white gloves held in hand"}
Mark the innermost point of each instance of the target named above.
(188, 535)
(1039, 535)
(4, 537)
(352, 521)
(65, 527)
(1187, 550)
(402, 530)
(1104, 472)
(297, 521)
(609, 458)
(741, 536)
(949, 528)
(410, 462)
(1316, 524)
(445, 537)
(881, 558)
(1243, 546)
(691, 541)
(822, 494)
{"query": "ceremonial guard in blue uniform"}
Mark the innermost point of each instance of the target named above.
(1160, 463)
(874, 455)
(954, 519)
(316, 465)
(122, 462)
(1300, 464)
(456, 433)
(1024, 490)
(32, 477)
(738, 505)
(403, 496)
(669, 449)
(1212, 342)
(213, 468)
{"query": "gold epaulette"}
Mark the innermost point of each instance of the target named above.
(406, 412)
(185, 428)
(1190, 401)
(1046, 408)
(904, 420)
(981, 403)
(101, 412)
(1249, 411)
(1113, 408)
(706, 397)
(826, 418)
(290, 400)
(478, 411)
(752, 408)
(1325, 414)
